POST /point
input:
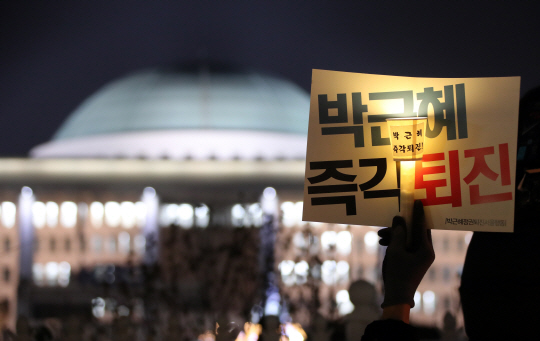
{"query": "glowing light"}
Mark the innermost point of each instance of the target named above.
(38, 214)
(202, 216)
(26, 192)
(328, 272)
(149, 192)
(371, 239)
(96, 214)
(294, 332)
(185, 215)
(301, 269)
(255, 214)
(404, 132)
(428, 299)
(68, 214)
(286, 267)
(417, 301)
(37, 273)
(140, 213)
(52, 213)
(238, 213)
(345, 306)
(343, 242)
(112, 213)
(98, 307)
(9, 212)
(127, 214)
(64, 272)
(51, 272)
(269, 193)
(272, 304)
(328, 240)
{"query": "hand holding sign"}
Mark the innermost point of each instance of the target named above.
(408, 257)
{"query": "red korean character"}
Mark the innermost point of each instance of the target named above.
(480, 167)
(431, 185)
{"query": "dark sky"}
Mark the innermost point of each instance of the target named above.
(54, 54)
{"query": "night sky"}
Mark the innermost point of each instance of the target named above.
(54, 54)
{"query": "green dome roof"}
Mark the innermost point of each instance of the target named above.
(195, 96)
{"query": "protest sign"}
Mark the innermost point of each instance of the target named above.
(466, 178)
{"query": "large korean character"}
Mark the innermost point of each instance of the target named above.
(340, 104)
(421, 170)
(380, 172)
(481, 167)
(331, 172)
(408, 106)
(444, 112)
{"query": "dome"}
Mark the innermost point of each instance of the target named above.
(196, 111)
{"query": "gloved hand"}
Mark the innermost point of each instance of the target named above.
(407, 259)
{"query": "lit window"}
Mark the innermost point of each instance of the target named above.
(255, 214)
(37, 273)
(68, 214)
(96, 214)
(140, 213)
(301, 269)
(127, 213)
(51, 273)
(185, 215)
(112, 213)
(67, 244)
(287, 213)
(52, 213)
(7, 274)
(9, 211)
(344, 303)
(343, 242)
(371, 239)
(286, 268)
(168, 215)
(328, 271)
(52, 244)
(123, 242)
(238, 214)
(202, 216)
(446, 274)
(428, 299)
(64, 272)
(328, 240)
(38, 214)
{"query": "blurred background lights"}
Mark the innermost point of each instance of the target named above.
(127, 214)
(52, 213)
(96, 214)
(185, 215)
(343, 242)
(328, 240)
(26, 192)
(371, 239)
(112, 213)
(9, 212)
(269, 193)
(428, 298)
(202, 216)
(417, 301)
(343, 301)
(68, 214)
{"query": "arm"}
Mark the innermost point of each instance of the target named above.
(404, 266)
